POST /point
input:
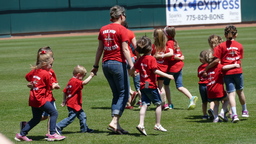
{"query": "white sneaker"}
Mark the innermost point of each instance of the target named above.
(235, 119)
(160, 128)
(223, 116)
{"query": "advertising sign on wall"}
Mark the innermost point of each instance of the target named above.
(187, 12)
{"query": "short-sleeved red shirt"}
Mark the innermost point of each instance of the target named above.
(147, 65)
(42, 85)
(112, 36)
(73, 91)
(131, 35)
(215, 87)
(230, 52)
(200, 69)
(162, 63)
(173, 64)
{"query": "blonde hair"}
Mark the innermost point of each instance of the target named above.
(144, 45)
(230, 32)
(79, 69)
(209, 56)
(160, 39)
(116, 11)
(47, 49)
(214, 40)
(43, 60)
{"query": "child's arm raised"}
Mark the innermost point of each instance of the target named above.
(163, 74)
(87, 80)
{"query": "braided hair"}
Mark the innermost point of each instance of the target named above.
(230, 31)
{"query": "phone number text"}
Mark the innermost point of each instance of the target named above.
(205, 17)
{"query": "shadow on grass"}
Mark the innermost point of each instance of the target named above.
(100, 107)
(131, 134)
(198, 119)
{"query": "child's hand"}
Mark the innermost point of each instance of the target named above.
(182, 57)
(55, 86)
(170, 77)
(92, 74)
(30, 85)
(63, 103)
(94, 71)
(159, 55)
(237, 65)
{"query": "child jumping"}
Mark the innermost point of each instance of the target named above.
(175, 68)
(72, 98)
(39, 98)
(147, 67)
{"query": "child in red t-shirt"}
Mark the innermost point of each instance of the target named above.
(147, 67)
(72, 98)
(215, 87)
(45, 115)
(202, 87)
(161, 53)
(175, 66)
(231, 52)
(40, 94)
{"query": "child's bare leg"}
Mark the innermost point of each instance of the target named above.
(168, 93)
(143, 110)
(185, 92)
(158, 115)
(216, 111)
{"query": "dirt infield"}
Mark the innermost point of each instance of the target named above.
(66, 34)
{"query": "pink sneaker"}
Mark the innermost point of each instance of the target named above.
(18, 137)
(165, 107)
(55, 137)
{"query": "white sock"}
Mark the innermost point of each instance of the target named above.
(233, 109)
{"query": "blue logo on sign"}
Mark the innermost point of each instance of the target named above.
(192, 5)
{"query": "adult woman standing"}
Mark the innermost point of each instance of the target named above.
(114, 47)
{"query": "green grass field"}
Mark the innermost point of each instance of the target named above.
(183, 126)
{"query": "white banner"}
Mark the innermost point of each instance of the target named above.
(186, 12)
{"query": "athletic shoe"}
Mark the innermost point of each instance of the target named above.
(171, 106)
(160, 128)
(216, 120)
(210, 112)
(18, 137)
(22, 124)
(205, 117)
(223, 116)
(192, 103)
(55, 137)
(235, 119)
(58, 130)
(165, 107)
(245, 113)
(141, 130)
(89, 130)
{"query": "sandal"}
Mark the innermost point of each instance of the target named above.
(112, 129)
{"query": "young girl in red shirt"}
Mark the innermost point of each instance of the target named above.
(40, 94)
(148, 69)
